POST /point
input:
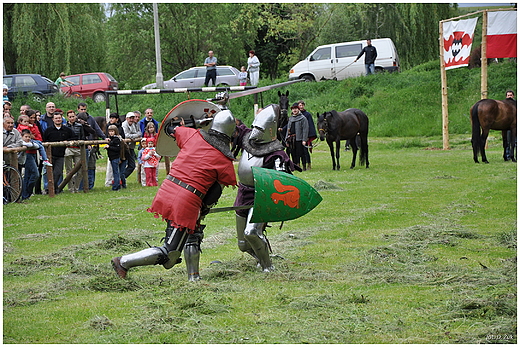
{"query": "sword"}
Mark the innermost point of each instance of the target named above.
(231, 208)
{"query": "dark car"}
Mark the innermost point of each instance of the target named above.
(91, 85)
(38, 86)
(194, 78)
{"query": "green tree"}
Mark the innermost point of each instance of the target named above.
(53, 37)
(278, 31)
(414, 27)
(187, 31)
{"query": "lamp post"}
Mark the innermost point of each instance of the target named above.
(159, 77)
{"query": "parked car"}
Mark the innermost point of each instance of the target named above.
(194, 78)
(91, 85)
(336, 61)
(23, 84)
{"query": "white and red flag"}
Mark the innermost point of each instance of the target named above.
(458, 37)
(501, 34)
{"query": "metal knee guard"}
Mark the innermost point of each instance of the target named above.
(254, 235)
(173, 244)
(192, 253)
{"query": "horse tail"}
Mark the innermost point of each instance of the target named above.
(475, 126)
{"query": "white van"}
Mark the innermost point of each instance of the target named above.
(336, 61)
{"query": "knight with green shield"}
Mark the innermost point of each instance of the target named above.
(260, 148)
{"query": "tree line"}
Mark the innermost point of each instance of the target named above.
(119, 38)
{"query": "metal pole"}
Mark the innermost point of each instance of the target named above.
(159, 77)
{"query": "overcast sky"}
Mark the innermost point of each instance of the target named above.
(484, 4)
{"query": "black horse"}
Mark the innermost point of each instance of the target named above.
(284, 107)
(338, 126)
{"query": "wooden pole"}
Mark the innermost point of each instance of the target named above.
(84, 167)
(50, 173)
(483, 58)
(444, 93)
(69, 176)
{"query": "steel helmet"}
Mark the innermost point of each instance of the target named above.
(224, 123)
(265, 125)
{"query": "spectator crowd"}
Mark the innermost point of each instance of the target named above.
(32, 128)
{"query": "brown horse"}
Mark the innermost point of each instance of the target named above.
(488, 114)
(337, 126)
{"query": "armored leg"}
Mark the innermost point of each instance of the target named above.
(174, 242)
(243, 245)
(254, 235)
(192, 253)
(167, 255)
(149, 256)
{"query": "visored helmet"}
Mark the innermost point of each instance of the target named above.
(224, 123)
(265, 125)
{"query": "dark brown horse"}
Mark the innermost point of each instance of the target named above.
(284, 118)
(488, 114)
(102, 122)
(338, 126)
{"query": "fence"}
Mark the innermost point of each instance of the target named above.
(12, 153)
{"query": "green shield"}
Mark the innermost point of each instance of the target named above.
(280, 196)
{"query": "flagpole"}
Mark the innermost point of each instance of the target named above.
(444, 92)
(483, 58)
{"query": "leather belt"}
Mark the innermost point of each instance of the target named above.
(186, 186)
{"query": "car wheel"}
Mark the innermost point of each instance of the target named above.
(38, 97)
(99, 97)
(308, 78)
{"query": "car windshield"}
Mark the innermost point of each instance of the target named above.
(73, 79)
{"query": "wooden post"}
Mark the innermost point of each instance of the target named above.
(13, 159)
(255, 108)
(483, 58)
(69, 176)
(50, 173)
(444, 93)
(84, 166)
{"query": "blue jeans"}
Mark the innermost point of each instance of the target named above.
(30, 176)
(118, 173)
(370, 69)
(41, 149)
(91, 178)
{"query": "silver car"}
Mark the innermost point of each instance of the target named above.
(195, 77)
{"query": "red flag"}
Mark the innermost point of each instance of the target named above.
(458, 37)
(501, 34)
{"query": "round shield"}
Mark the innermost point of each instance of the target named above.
(196, 114)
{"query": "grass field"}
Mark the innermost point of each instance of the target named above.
(420, 248)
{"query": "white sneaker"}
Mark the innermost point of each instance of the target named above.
(47, 163)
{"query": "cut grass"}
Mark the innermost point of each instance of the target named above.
(420, 248)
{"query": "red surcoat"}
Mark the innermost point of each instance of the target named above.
(198, 164)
